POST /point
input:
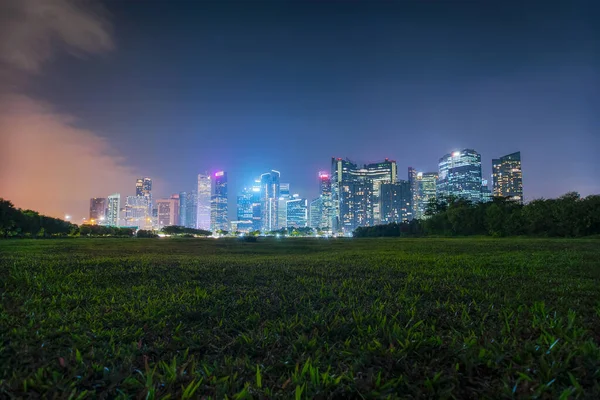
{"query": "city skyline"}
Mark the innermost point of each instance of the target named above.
(249, 89)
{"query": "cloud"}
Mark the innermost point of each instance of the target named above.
(31, 31)
(47, 162)
(50, 165)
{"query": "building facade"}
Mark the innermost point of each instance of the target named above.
(203, 202)
(269, 196)
(284, 196)
(136, 212)
(97, 210)
(113, 209)
(460, 175)
(297, 213)
(395, 202)
(219, 219)
(426, 184)
(143, 188)
(326, 204)
(507, 177)
(188, 209)
(356, 191)
(315, 215)
(167, 212)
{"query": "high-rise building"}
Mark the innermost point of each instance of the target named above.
(188, 209)
(219, 219)
(284, 196)
(395, 202)
(315, 217)
(507, 177)
(486, 193)
(112, 210)
(203, 202)
(167, 212)
(326, 203)
(423, 188)
(269, 196)
(248, 206)
(460, 175)
(143, 187)
(355, 192)
(97, 210)
(136, 212)
(297, 212)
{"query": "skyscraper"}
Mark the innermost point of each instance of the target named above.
(425, 183)
(486, 193)
(395, 202)
(143, 187)
(284, 196)
(219, 219)
(413, 176)
(460, 175)
(113, 209)
(326, 203)
(315, 213)
(136, 212)
(97, 210)
(355, 192)
(248, 207)
(203, 202)
(508, 177)
(297, 212)
(167, 211)
(269, 196)
(188, 209)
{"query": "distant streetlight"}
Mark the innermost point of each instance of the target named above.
(67, 217)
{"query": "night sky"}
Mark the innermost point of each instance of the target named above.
(169, 89)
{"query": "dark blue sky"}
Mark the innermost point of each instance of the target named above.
(249, 86)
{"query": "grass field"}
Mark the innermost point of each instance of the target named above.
(300, 318)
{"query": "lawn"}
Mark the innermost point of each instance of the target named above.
(300, 318)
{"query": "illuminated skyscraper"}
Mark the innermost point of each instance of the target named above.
(460, 175)
(423, 190)
(297, 212)
(326, 202)
(97, 210)
(203, 202)
(167, 211)
(269, 196)
(395, 202)
(219, 219)
(414, 190)
(188, 209)
(136, 212)
(355, 192)
(486, 193)
(284, 196)
(315, 213)
(112, 210)
(143, 187)
(508, 177)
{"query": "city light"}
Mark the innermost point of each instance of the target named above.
(220, 173)
(456, 154)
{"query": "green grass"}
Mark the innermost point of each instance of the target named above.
(300, 318)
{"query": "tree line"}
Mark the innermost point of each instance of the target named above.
(567, 216)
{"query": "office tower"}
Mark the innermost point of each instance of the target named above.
(269, 196)
(136, 212)
(284, 196)
(97, 210)
(112, 210)
(203, 202)
(413, 177)
(355, 192)
(219, 219)
(316, 213)
(460, 175)
(167, 211)
(188, 209)
(143, 187)
(507, 177)
(297, 212)
(326, 203)
(486, 193)
(423, 188)
(395, 202)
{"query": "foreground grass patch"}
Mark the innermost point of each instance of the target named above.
(303, 318)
